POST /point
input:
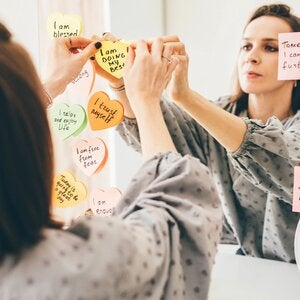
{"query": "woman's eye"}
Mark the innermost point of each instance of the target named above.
(271, 48)
(246, 47)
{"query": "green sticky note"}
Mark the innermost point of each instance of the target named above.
(68, 120)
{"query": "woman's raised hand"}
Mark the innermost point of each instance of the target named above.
(147, 71)
(67, 58)
(178, 86)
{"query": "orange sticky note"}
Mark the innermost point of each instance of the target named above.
(289, 56)
(104, 113)
(296, 190)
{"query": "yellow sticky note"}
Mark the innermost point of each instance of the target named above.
(67, 192)
(111, 57)
(60, 25)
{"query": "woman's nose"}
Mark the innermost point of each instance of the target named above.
(253, 58)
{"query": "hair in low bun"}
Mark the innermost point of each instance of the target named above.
(5, 35)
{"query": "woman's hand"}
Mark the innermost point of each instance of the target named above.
(178, 86)
(146, 73)
(67, 58)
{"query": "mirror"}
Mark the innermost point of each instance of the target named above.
(211, 31)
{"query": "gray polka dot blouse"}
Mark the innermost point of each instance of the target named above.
(254, 184)
(160, 244)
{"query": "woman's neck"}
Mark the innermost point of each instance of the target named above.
(264, 106)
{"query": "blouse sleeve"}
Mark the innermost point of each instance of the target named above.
(268, 155)
(162, 241)
(188, 136)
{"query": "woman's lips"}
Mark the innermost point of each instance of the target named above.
(251, 74)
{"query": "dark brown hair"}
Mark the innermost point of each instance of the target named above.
(26, 152)
(283, 12)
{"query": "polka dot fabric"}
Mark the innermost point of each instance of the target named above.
(254, 184)
(160, 244)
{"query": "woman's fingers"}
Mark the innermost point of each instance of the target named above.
(129, 60)
(76, 42)
(172, 65)
(165, 39)
(107, 36)
(90, 50)
(174, 48)
(157, 49)
(141, 48)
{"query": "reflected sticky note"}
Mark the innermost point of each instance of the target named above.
(90, 155)
(103, 201)
(289, 56)
(104, 113)
(296, 189)
(68, 120)
(60, 25)
(67, 192)
(111, 57)
(83, 84)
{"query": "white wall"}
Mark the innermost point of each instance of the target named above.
(21, 18)
(136, 19)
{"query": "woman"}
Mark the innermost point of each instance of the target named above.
(162, 243)
(250, 141)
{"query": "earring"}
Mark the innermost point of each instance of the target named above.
(295, 84)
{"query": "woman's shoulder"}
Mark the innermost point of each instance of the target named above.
(292, 121)
(226, 103)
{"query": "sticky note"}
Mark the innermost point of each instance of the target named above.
(67, 192)
(68, 120)
(296, 190)
(59, 25)
(103, 201)
(289, 56)
(90, 155)
(111, 57)
(83, 84)
(104, 113)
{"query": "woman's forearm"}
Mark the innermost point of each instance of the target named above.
(153, 131)
(120, 94)
(228, 129)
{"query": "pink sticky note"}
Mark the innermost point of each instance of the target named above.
(103, 201)
(296, 190)
(90, 155)
(83, 83)
(289, 56)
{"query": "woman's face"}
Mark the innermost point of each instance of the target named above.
(258, 57)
